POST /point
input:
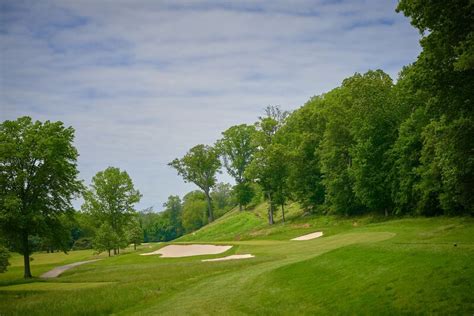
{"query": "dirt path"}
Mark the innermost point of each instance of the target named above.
(58, 270)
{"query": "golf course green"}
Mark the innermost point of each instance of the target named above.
(361, 265)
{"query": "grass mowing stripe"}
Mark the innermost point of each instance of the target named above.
(52, 286)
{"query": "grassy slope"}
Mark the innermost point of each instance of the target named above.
(360, 266)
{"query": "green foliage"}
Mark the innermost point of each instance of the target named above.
(222, 198)
(83, 243)
(405, 155)
(38, 180)
(135, 233)
(237, 149)
(165, 225)
(4, 255)
(243, 193)
(447, 170)
(444, 74)
(302, 136)
(106, 238)
(334, 151)
(373, 128)
(110, 203)
(270, 168)
(200, 166)
(450, 27)
(194, 211)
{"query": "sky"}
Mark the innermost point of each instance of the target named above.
(143, 81)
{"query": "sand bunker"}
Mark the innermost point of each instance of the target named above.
(309, 236)
(233, 257)
(176, 251)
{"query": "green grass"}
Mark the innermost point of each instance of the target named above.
(52, 286)
(364, 265)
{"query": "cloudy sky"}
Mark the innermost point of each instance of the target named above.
(143, 81)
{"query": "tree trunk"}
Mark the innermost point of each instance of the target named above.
(209, 207)
(283, 212)
(270, 209)
(386, 213)
(26, 255)
(115, 251)
(240, 207)
(109, 252)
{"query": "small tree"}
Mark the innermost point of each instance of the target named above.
(38, 180)
(173, 214)
(200, 166)
(4, 255)
(194, 211)
(105, 239)
(135, 234)
(243, 193)
(111, 200)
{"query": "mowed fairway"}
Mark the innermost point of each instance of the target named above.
(359, 266)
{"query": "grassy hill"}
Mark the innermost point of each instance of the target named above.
(365, 265)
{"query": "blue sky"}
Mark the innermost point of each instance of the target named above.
(143, 81)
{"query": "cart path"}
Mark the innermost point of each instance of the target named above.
(58, 270)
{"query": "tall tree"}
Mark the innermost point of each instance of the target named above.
(237, 149)
(269, 168)
(302, 135)
(444, 71)
(111, 199)
(373, 127)
(200, 166)
(38, 180)
(334, 151)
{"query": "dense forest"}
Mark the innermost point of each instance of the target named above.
(371, 145)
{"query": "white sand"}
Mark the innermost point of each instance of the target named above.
(233, 257)
(309, 236)
(176, 251)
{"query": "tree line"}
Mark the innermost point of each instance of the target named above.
(370, 145)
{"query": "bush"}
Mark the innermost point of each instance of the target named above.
(82, 243)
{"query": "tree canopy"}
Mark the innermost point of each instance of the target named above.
(200, 166)
(110, 202)
(38, 180)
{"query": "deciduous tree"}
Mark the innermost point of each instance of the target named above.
(111, 199)
(200, 166)
(237, 149)
(38, 181)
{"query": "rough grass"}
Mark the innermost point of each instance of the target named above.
(360, 266)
